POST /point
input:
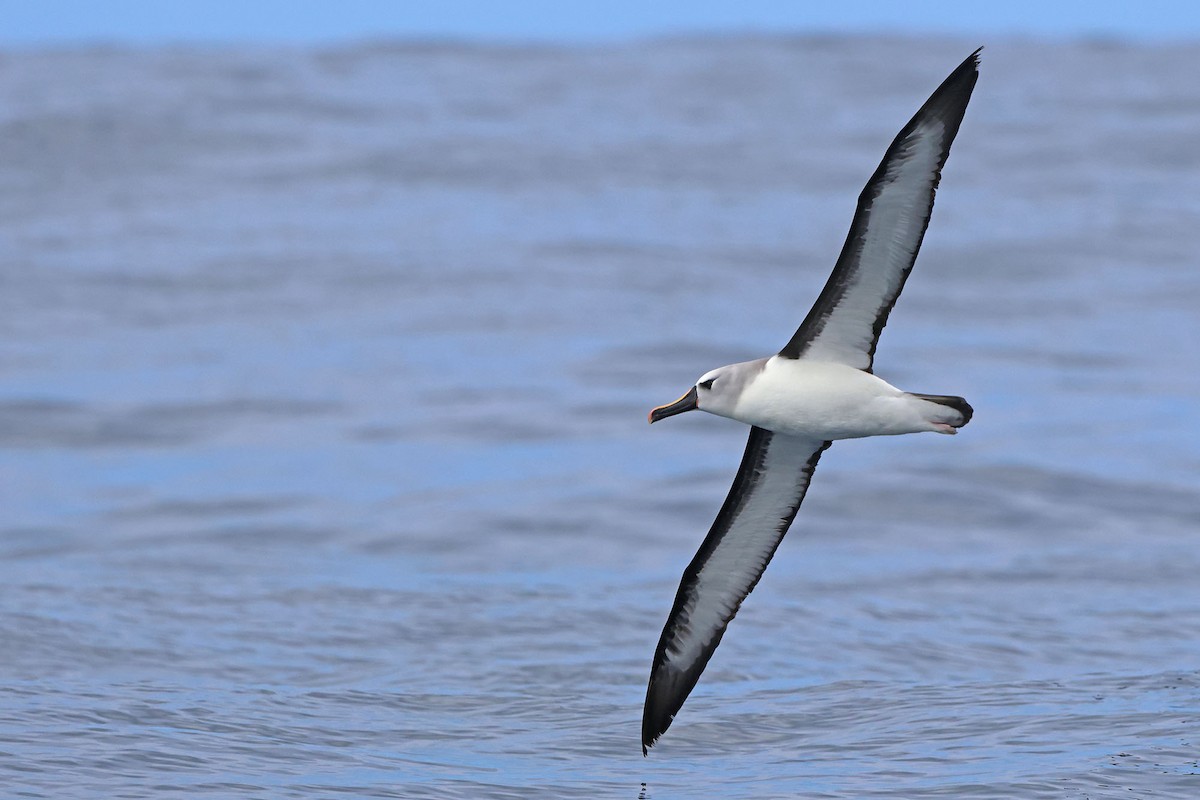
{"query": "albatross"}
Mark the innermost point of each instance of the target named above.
(819, 388)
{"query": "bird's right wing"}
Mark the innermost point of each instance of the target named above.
(765, 496)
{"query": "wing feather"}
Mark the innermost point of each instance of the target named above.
(762, 502)
(893, 212)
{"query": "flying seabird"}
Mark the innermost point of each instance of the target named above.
(820, 387)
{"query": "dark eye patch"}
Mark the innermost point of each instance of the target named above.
(707, 384)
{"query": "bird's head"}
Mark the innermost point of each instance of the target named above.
(716, 392)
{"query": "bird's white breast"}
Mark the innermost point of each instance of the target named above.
(826, 400)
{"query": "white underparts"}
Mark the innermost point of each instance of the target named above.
(825, 401)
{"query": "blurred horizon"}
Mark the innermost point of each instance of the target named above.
(143, 22)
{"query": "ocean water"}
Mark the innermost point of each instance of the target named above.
(324, 469)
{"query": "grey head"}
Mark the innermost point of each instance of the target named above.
(717, 391)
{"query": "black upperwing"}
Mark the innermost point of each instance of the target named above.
(893, 212)
(765, 496)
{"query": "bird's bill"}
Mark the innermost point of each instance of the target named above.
(689, 402)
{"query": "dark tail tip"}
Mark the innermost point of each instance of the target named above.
(957, 403)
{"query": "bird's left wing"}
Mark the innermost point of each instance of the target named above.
(889, 223)
(762, 502)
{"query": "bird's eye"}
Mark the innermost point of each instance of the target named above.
(707, 384)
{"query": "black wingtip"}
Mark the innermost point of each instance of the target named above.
(968, 67)
(966, 72)
(655, 719)
(667, 690)
(649, 738)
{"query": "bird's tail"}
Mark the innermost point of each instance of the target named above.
(950, 401)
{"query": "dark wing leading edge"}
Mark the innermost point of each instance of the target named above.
(893, 213)
(766, 493)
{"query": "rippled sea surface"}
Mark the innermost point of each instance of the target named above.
(324, 469)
